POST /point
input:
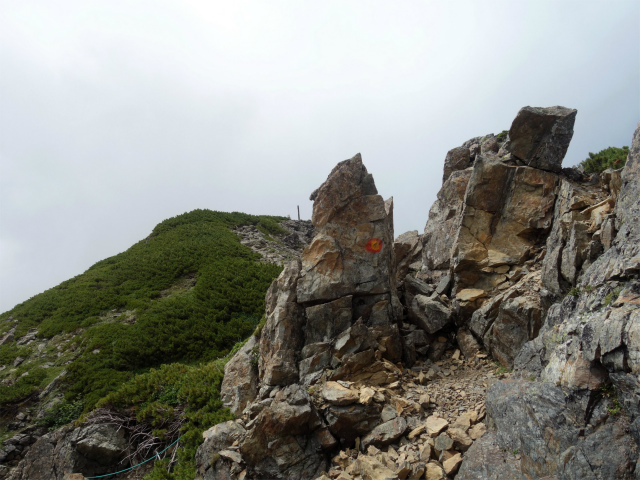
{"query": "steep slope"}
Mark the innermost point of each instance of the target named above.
(187, 293)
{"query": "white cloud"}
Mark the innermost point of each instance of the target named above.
(115, 115)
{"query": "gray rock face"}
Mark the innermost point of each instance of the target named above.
(352, 252)
(623, 258)
(407, 249)
(579, 419)
(550, 429)
(211, 465)
(386, 433)
(277, 442)
(91, 449)
(510, 319)
(240, 384)
(104, 444)
(444, 221)
(540, 136)
(571, 245)
(282, 335)
(485, 460)
(458, 158)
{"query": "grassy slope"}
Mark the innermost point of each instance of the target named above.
(161, 317)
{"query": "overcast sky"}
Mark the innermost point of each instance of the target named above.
(115, 115)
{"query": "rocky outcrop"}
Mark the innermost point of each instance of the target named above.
(574, 411)
(540, 137)
(295, 236)
(91, 449)
(331, 320)
(352, 252)
(240, 384)
(407, 249)
(443, 224)
(533, 265)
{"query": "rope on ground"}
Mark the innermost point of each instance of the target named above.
(136, 466)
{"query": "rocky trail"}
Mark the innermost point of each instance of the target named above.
(443, 406)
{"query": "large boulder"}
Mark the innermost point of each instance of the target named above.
(540, 137)
(94, 449)
(444, 222)
(352, 252)
(282, 336)
(507, 213)
(407, 249)
(240, 384)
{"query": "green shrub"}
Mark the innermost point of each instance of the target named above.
(611, 157)
(61, 414)
(24, 387)
(612, 296)
(200, 324)
(170, 392)
(502, 136)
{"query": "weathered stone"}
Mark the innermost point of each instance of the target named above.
(434, 472)
(386, 433)
(102, 443)
(352, 252)
(240, 384)
(486, 460)
(370, 469)
(470, 294)
(467, 343)
(336, 394)
(223, 434)
(282, 336)
(435, 425)
(452, 464)
(506, 209)
(430, 315)
(316, 357)
(444, 221)
(623, 258)
(407, 249)
(461, 441)
(540, 136)
(443, 442)
(544, 424)
(568, 243)
(56, 455)
(477, 431)
(272, 445)
(327, 320)
(511, 319)
(457, 159)
(489, 145)
(231, 455)
(349, 422)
